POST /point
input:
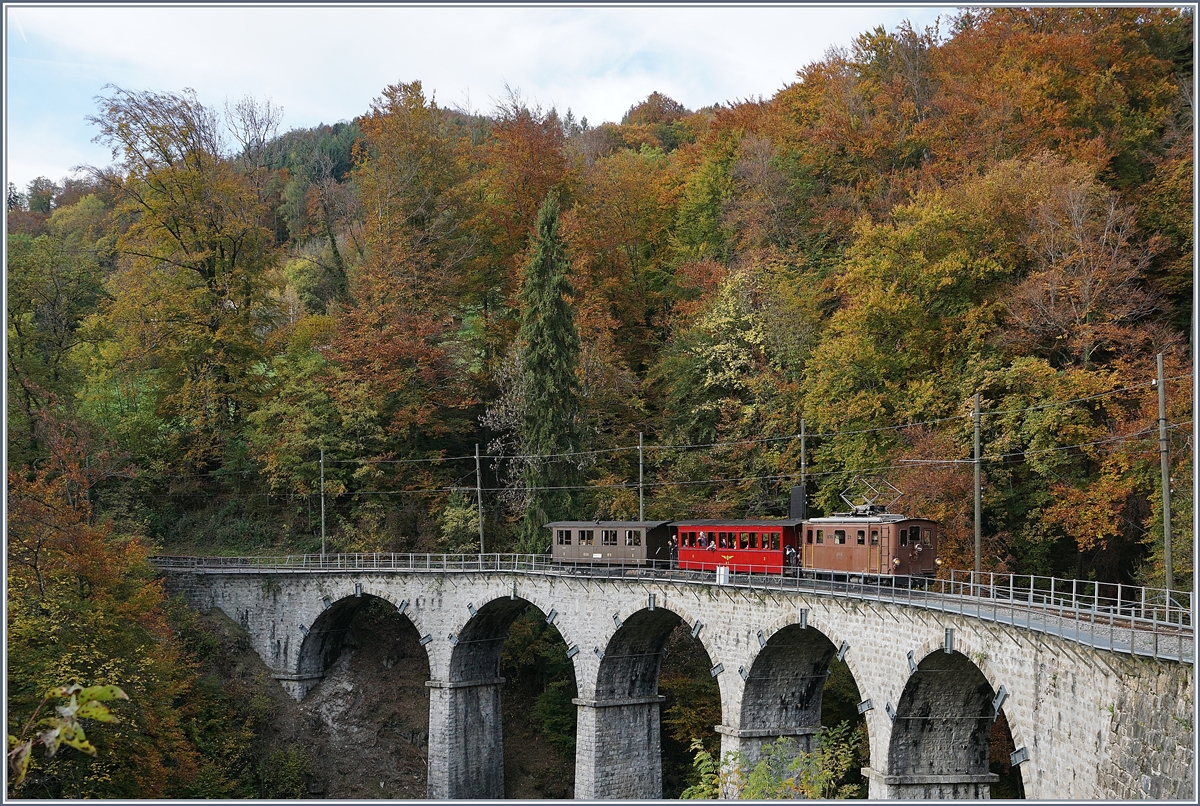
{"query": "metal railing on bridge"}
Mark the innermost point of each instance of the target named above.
(1150, 622)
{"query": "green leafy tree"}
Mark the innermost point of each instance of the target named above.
(781, 773)
(191, 304)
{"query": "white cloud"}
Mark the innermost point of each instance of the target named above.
(327, 63)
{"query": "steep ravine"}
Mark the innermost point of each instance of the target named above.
(363, 730)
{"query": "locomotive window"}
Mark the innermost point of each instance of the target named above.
(633, 537)
(927, 536)
(903, 537)
(862, 537)
(564, 537)
(810, 535)
(874, 537)
(820, 536)
(774, 541)
(586, 537)
(839, 536)
(608, 537)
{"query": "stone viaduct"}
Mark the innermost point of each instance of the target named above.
(1088, 723)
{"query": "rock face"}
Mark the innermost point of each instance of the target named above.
(367, 722)
(364, 730)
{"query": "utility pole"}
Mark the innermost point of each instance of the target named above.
(479, 496)
(978, 492)
(641, 485)
(322, 503)
(1166, 477)
(803, 459)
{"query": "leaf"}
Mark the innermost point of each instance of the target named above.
(102, 694)
(18, 760)
(63, 691)
(95, 710)
(67, 711)
(50, 739)
(73, 736)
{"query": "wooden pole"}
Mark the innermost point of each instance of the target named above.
(479, 496)
(978, 492)
(641, 484)
(322, 503)
(1164, 460)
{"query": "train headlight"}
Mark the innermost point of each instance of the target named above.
(896, 562)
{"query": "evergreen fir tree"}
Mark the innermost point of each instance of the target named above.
(549, 347)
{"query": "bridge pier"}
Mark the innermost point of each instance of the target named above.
(750, 742)
(466, 741)
(882, 786)
(298, 685)
(617, 749)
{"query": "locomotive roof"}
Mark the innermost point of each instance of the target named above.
(739, 522)
(882, 517)
(606, 524)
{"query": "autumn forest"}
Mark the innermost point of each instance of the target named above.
(230, 314)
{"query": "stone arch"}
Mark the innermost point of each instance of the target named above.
(941, 729)
(853, 659)
(967, 643)
(633, 655)
(411, 613)
(326, 638)
(983, 661)
(618, 743)
(783, 690)
(466, 710)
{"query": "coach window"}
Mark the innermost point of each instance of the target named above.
(774, 541)
(820, 537)
(927, 537)
(809, 536)
(744, 543)
(839, 536)
(564, 537)
(754, 540)
(633, 537)
(587, 537)
(862, 537)
(874, 537)
(903, 537)
(608, 537)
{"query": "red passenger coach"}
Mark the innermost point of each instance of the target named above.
(755, 546)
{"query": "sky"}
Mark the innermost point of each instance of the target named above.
(323, 63)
